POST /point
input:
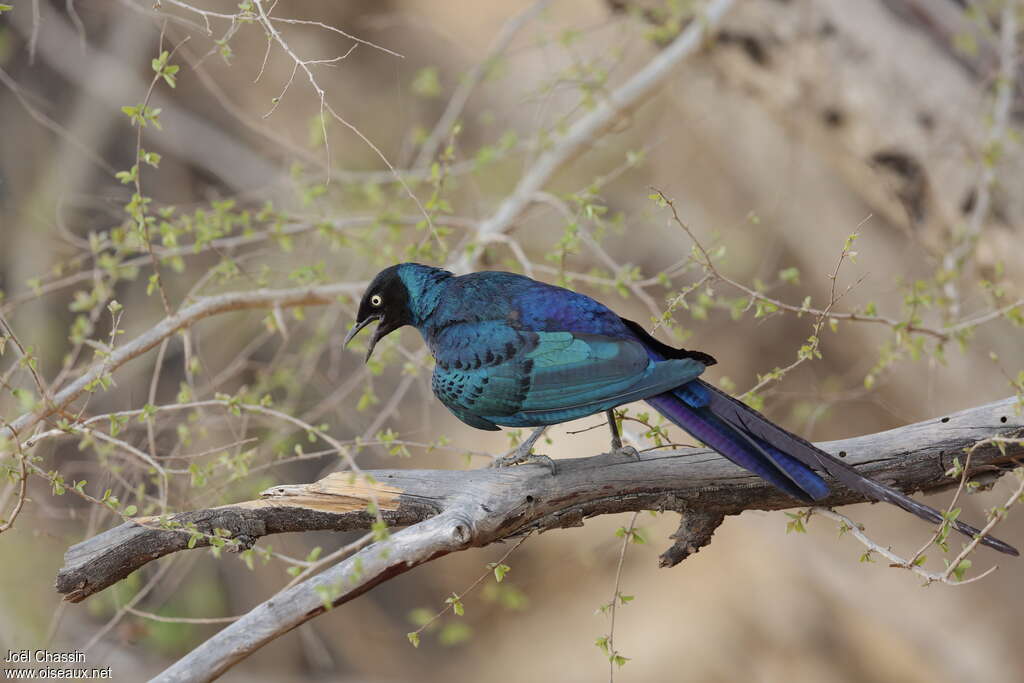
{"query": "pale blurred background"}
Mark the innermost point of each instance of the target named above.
(802, 123)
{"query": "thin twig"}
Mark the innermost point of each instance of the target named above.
(204, 307)
(142, 222)
(636, 90)
(325, 107)
(712, 274)
(20, 495)
(614, 658)
(458, 101)
(48, 123)
(857, 531)
(179, 620)
(457, 597)
(954, 259)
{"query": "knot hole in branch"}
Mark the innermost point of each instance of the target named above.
(461, 531)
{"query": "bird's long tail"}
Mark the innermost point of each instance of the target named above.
(785, 460)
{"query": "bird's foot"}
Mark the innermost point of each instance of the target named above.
(515, 458)
(524, 454)
(626, 451)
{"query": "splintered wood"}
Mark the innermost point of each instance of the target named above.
(337, 492)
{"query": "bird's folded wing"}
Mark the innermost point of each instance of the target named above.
(588, 371)
(543, 376)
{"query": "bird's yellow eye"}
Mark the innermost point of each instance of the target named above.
(376, 300)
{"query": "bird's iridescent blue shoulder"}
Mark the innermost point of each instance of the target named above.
(523, 304)
(552, 308)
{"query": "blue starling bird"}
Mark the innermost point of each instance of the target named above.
(510, 351)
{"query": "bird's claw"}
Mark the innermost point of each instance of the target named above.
(517, 458)
(627, 451)
(524, 454)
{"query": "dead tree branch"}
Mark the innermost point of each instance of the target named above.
(448, 511)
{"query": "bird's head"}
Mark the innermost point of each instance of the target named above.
(386, 300)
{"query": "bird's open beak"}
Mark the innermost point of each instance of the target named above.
(360, 325)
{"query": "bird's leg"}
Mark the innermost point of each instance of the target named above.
(617, 447)
(522, 454)
(614, 427)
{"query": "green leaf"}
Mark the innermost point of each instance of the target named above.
(129, 176)
(380, 530)
(414, 638)
(790, 275)
(326, 596)
(427, 83)
(169, 75)
(454, 632)
(796, 523)
(159, 62)
(961, 569)
(456, 602)
(151, 158)
(500, 570)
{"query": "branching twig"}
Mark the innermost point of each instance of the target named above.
(468, 84)
(22, 487)
(712, 274)
(456, 599)
(186, 317)
(141, 218)
(608, 643)
(268, 24)
(45, 121)
(955, 257)
(618, 103)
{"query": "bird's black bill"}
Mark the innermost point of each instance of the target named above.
(360, 325)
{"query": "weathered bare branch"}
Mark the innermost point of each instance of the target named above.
(455, 510)
(359, 573)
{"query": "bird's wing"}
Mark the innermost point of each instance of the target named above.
(545, 377)
(580, 370)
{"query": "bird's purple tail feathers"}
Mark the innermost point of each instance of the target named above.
(785, 460)
(687, 407)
